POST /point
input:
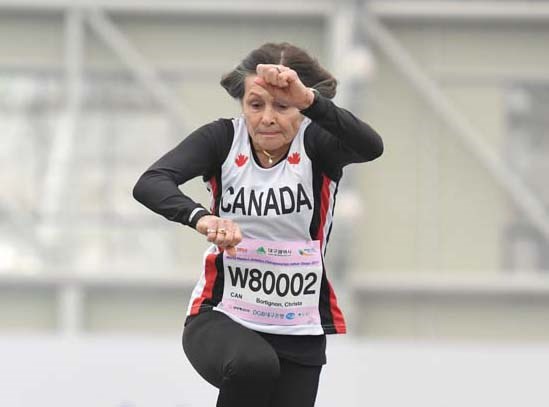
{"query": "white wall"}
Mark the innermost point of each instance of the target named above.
(153, 372)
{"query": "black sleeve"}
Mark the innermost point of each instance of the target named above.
(200, 154)
(337, 137)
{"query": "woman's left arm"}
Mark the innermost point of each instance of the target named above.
(350, 140)
(346, 138)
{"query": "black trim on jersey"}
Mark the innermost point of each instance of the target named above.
(333, 213)
(317, 189)
(317, 193)
(219, 284)
(219, 188)
(324, 305)
(217, 290)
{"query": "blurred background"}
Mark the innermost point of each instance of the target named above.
(439, 251)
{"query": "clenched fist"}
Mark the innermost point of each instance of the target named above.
(284, 85)
(222, 232)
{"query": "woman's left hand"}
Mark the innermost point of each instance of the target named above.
(224, 233)
(284, 85)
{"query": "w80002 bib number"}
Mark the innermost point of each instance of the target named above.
(268, 282)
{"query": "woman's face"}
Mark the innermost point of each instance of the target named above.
(271, 125)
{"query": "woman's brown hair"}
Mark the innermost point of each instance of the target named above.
(311, 73)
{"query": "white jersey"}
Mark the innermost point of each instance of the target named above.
(273, 204)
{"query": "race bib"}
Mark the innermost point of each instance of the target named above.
(276, 283)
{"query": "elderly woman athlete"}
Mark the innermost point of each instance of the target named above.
(258, 317)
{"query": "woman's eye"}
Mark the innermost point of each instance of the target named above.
(281, 107)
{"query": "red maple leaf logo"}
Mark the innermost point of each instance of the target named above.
(294, 158)
(241, 160)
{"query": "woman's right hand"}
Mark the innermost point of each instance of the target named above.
(222, 232)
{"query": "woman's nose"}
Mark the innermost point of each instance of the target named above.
(268, 116)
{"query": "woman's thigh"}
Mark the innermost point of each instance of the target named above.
(218, 347)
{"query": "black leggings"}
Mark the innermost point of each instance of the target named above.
(245, 367)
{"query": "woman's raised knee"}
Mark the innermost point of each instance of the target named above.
(264, 367)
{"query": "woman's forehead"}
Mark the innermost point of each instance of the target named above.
(250, 87)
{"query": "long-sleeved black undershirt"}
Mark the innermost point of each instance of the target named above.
(334, 139)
